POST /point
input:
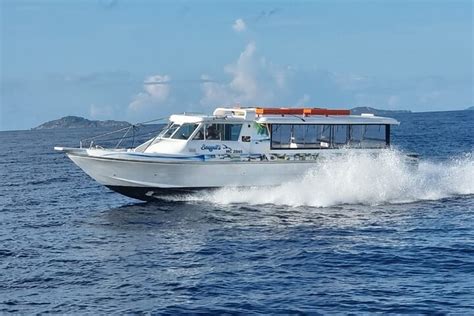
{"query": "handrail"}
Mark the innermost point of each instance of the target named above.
(131, 127)
(102, 135)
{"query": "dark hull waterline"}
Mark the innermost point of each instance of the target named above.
(151, 193)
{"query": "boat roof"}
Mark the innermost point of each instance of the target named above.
(348, 119)
(283, 116)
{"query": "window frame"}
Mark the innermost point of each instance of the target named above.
(331, 143)
(221, 132)
(169, 128)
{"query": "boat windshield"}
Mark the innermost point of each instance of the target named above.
(163, 131)
(170, 130)
(185, 131)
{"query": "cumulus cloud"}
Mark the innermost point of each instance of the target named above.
(253, 80)
(239, 25)
(156, 91)
(244, 73)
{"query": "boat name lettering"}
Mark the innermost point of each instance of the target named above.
(211, 148)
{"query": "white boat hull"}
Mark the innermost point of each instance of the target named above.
(154, 178)
(146, 176)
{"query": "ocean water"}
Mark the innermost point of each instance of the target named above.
(358, 235)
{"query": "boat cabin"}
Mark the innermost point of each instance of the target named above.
(265, 131)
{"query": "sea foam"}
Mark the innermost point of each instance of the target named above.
(358, 178)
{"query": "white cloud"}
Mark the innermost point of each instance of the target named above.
(215, 93)
(239, 25)
(244, 74)
(157, 91)
(253, 81)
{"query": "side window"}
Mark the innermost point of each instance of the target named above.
(340, 135)
(374, 132)
(281, 135)
(213, 132)
(276, 136)
(374, 136)
(261, 129)
(356, 134)
(311, 136)
(317, 136)
(368, 136)
(298, 134)
(232, 131)
(228, 132)
(324, 136)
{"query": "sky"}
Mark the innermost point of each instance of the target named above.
(140, 60)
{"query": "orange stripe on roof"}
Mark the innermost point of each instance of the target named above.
(300, 111)
(318, 111)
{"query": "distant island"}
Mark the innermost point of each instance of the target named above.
(471, 108)
(366, 109)
(80, 122)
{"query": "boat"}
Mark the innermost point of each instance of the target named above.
(233, 147)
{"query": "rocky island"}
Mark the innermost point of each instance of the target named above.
(80, 122)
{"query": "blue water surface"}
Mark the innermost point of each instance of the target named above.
(69, 245)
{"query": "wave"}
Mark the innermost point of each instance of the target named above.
(364, 179)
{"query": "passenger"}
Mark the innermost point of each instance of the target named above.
(211, 133)
(199, 135)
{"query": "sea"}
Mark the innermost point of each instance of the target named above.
(357, 235)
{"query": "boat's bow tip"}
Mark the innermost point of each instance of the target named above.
(68, 150)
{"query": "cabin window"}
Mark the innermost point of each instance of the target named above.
(299, 133)
(318, 136)
(232, 131)
(185, 131)
(356, 135)
(375, 136)
(340, 135)
(228, 132)
(325, 137)
(213, 132)
(261, 129)
(281, 136)
(312, 134)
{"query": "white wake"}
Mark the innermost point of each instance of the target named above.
(361, 179)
